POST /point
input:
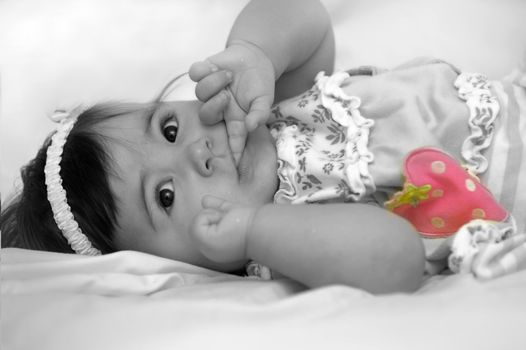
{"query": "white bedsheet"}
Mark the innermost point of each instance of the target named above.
(131, 300)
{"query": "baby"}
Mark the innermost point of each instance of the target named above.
(210, 182)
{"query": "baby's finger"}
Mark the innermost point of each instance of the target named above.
(258, 113)
(212, 84)
(237, 136)
(204, 225)
(208, 217)
(217, 203)
(201, 69)
(211, 111)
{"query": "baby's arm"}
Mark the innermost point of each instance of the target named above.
(353, 244)
(274, 50)
(296, 35)
(316, 244)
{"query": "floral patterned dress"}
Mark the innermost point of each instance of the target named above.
(346, 140)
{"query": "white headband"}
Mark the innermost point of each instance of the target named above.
(56, 194)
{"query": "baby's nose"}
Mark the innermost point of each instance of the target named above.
(201, 154)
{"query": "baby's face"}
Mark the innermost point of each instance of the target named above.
(165, 164)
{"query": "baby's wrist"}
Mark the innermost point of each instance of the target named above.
(255, 232)
(260, 53)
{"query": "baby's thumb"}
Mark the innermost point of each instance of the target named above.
(258, 113)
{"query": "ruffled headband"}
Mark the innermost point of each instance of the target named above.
(56, 194)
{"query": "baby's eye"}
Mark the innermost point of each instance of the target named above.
(170, 129)
(166, 195)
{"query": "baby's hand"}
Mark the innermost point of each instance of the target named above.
(220, 230)
(236, 85)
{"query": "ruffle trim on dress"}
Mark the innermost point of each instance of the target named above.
(483, 110)
(286, 160)
(344, 110)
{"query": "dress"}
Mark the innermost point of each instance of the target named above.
(346, 139)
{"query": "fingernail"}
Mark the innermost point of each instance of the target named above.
(213, 67)
(228, 75)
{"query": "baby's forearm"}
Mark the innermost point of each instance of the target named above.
(296, 35)
(353, 244)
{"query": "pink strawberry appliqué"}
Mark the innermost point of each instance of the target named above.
(439, 196)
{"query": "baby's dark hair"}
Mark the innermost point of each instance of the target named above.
(28, 222)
